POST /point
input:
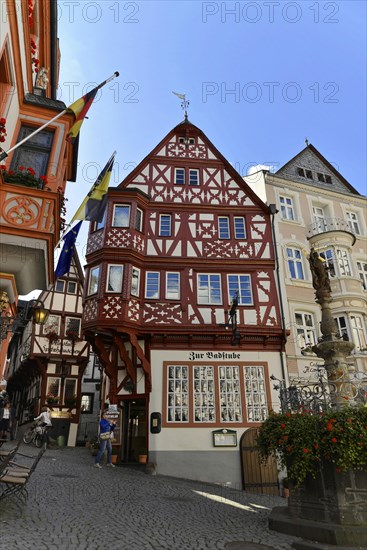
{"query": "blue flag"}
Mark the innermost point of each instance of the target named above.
(64, 263)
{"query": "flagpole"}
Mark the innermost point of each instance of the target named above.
(4, 154)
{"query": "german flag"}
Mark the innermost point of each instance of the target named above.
(80, 107)
(94, 204)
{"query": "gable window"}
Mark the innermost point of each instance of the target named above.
(72, 327)
(114, 278)
(93, 280)
(180, 176)
(240, 285)
(152, 285)
(193, 176)
(173, 286)
(121, 215)
(353, 223)
(320, 177)
(306, 333)
(164, 225)
(301, 172)
(286, 208)
(341, 323)
(309, 174)
(295, 263)
(209, 289)
(239, 228)
(139, 220)
(135, 281)
(35, 152)
(362, 271)
(358, 332)
(71, 287)
(223, 227)
(60, 285)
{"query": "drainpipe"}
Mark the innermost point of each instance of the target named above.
(273, 210)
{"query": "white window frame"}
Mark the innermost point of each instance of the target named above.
(206, 296)
(256, 398)
(139, 220)
(319, 218)
(287, 209)
(224, 233)
(342, 324)
(353, 222)
(294, 258)
(305, 333)
(177, 171)
(242, 285)
(328, 255)
(165, 225)
(195, 180)
(148, 283)
(137, 286)
(72, 283)
(239, 233)
(171, 294)
(343, 261)
(358, 331)
(93, 285)
(125, 206)
(111, 268)
(60, 283)
(362, 272)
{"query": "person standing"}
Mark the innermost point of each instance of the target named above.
(5, 413)
(45, 419)
(105, 433)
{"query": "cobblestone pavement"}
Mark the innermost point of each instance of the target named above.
(74, 506)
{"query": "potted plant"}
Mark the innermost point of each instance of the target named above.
(142, 456)
(52, 399)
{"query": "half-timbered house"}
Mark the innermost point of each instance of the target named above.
(47, 362)
(181, 308)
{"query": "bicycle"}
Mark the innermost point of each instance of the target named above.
(35, 434)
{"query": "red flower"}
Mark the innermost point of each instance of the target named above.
(334, 440)
(11, 173)
(329, 427)
(2, 138)
(305, 451)
(2, 120)
(21, 168)
(2, 167)
(31, 171)
(283, 426)
(316, 445)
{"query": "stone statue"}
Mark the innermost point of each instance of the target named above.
(319, 270)
(42, 78)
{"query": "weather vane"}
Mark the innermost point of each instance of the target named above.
(185, 102)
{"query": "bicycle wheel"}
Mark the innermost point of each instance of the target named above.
(28, 435)
(38, 440)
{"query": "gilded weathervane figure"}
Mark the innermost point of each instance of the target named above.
(184, 103)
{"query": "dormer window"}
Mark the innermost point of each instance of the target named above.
(309, 174)
(301, 172)
(320, 177)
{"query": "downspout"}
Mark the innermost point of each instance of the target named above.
(273, 210)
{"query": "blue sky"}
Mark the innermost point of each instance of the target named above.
(260, 78)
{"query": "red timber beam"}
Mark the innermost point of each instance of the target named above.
(111, 372)
(117, 340)
(144, 361)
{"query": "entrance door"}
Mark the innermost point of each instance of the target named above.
(135, 429)
(257, 477)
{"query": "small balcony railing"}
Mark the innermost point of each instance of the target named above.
(328, 224)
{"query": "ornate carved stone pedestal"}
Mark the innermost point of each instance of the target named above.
(331, 508)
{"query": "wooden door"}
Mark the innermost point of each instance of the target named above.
(257, 477)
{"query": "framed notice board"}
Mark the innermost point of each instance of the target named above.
(113, 413)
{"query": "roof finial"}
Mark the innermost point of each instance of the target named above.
(185, 103)
(306, 142)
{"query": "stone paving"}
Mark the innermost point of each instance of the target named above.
(74, 506)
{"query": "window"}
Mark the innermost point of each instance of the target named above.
(71, 287)
(301, 172)
(325, 178)
(295, 263)
(135, 281)
(320, 177)
(114, 278)
(319, 218)
(6, 81)
(121, 215)
(306, 333)
(92, 372)
(100, 224)
(53, 387)
(309, 174)
(180, 176)
(86, 405)
(152, 285)
(70, 390)
(328, 256)
(193, 177)
(328, 179)
(93, 280)
(164, 225)
(223, 227)
(72, 327)
(52, 324)
(60, 285)
(139, 220)
(239, 228)
(343, 262)
(201, 393)
(353, 223)
(255, 393)
(341, 323)
(358, 332)
(35, 152)
(286, 208)
(209, 289)
(362, 270)
(173, 286)
(240, 284)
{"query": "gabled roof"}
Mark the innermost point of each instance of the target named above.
(310, 158)
(191, 130)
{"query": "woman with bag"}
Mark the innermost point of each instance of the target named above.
(105, 435)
